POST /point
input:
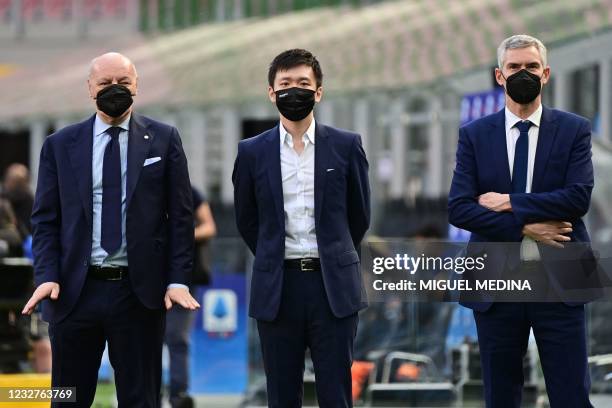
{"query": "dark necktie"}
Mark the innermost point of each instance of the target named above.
(521, 153)
(111, 193)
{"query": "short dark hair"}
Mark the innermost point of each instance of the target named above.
(291, 59)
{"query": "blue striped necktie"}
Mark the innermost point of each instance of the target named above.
(521, 153)
(111, 193)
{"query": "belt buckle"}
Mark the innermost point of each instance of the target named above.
(119, 278)
(303, 265)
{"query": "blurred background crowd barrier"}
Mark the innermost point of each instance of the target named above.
(404, 74)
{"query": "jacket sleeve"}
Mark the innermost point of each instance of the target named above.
(358, 193)
(46, 219)
(570, 202)
(463, 208)
(180, 213)
(245, 203)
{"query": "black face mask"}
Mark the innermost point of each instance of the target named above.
(295, 103)
(114, 100)
(523, 86)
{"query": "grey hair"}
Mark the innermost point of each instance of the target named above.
(520, 41)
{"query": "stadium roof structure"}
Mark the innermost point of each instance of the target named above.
(390, 45)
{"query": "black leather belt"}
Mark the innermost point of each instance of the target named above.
(107, 272)
(303, 264)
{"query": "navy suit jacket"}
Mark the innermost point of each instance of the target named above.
(561, 186)
(159, 220)
(342, 216)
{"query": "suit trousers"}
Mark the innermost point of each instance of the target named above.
(305, 320)
(560, 334)
(109, 312)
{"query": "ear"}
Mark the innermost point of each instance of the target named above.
(91, 94)
(546, 75)
(271, 94)
(318, 94)
(499, 77)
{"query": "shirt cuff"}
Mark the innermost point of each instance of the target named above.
(177, 285)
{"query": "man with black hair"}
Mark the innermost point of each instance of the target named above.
(306, 286)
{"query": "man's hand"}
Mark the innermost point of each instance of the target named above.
(549, 232)
(495, 201)
(180, 296)
(44, 290)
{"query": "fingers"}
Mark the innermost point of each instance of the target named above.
(168, 302)
(553, 243)
(182, 298)
(185, 303)
(195, 303)
(29, 307)
(559, 224)
(562, 238)
(188, 305)
(45, 289)
(55, 292)
(37, 296)
(554, 239)
(495, 201)
(188, 302)
(482, 199)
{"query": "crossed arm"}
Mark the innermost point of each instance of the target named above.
(543, 216)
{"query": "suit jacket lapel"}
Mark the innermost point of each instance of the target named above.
(273, 161)
(321, 160)
(80, 153)
(138, 149)
(499, 151)
(546, 137)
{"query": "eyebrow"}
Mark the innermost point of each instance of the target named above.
(286, 78)
(526, 63)
(110, 79)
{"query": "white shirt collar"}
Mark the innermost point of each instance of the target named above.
(286, 136)
(100, 126)
(512, 119)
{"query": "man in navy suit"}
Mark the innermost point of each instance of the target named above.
(524, 175)
(302, 202)
(113, 228)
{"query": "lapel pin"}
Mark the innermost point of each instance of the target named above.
(146, 136)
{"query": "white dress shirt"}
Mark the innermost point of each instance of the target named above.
(100, 139)
(297, 174)
(529, 248)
